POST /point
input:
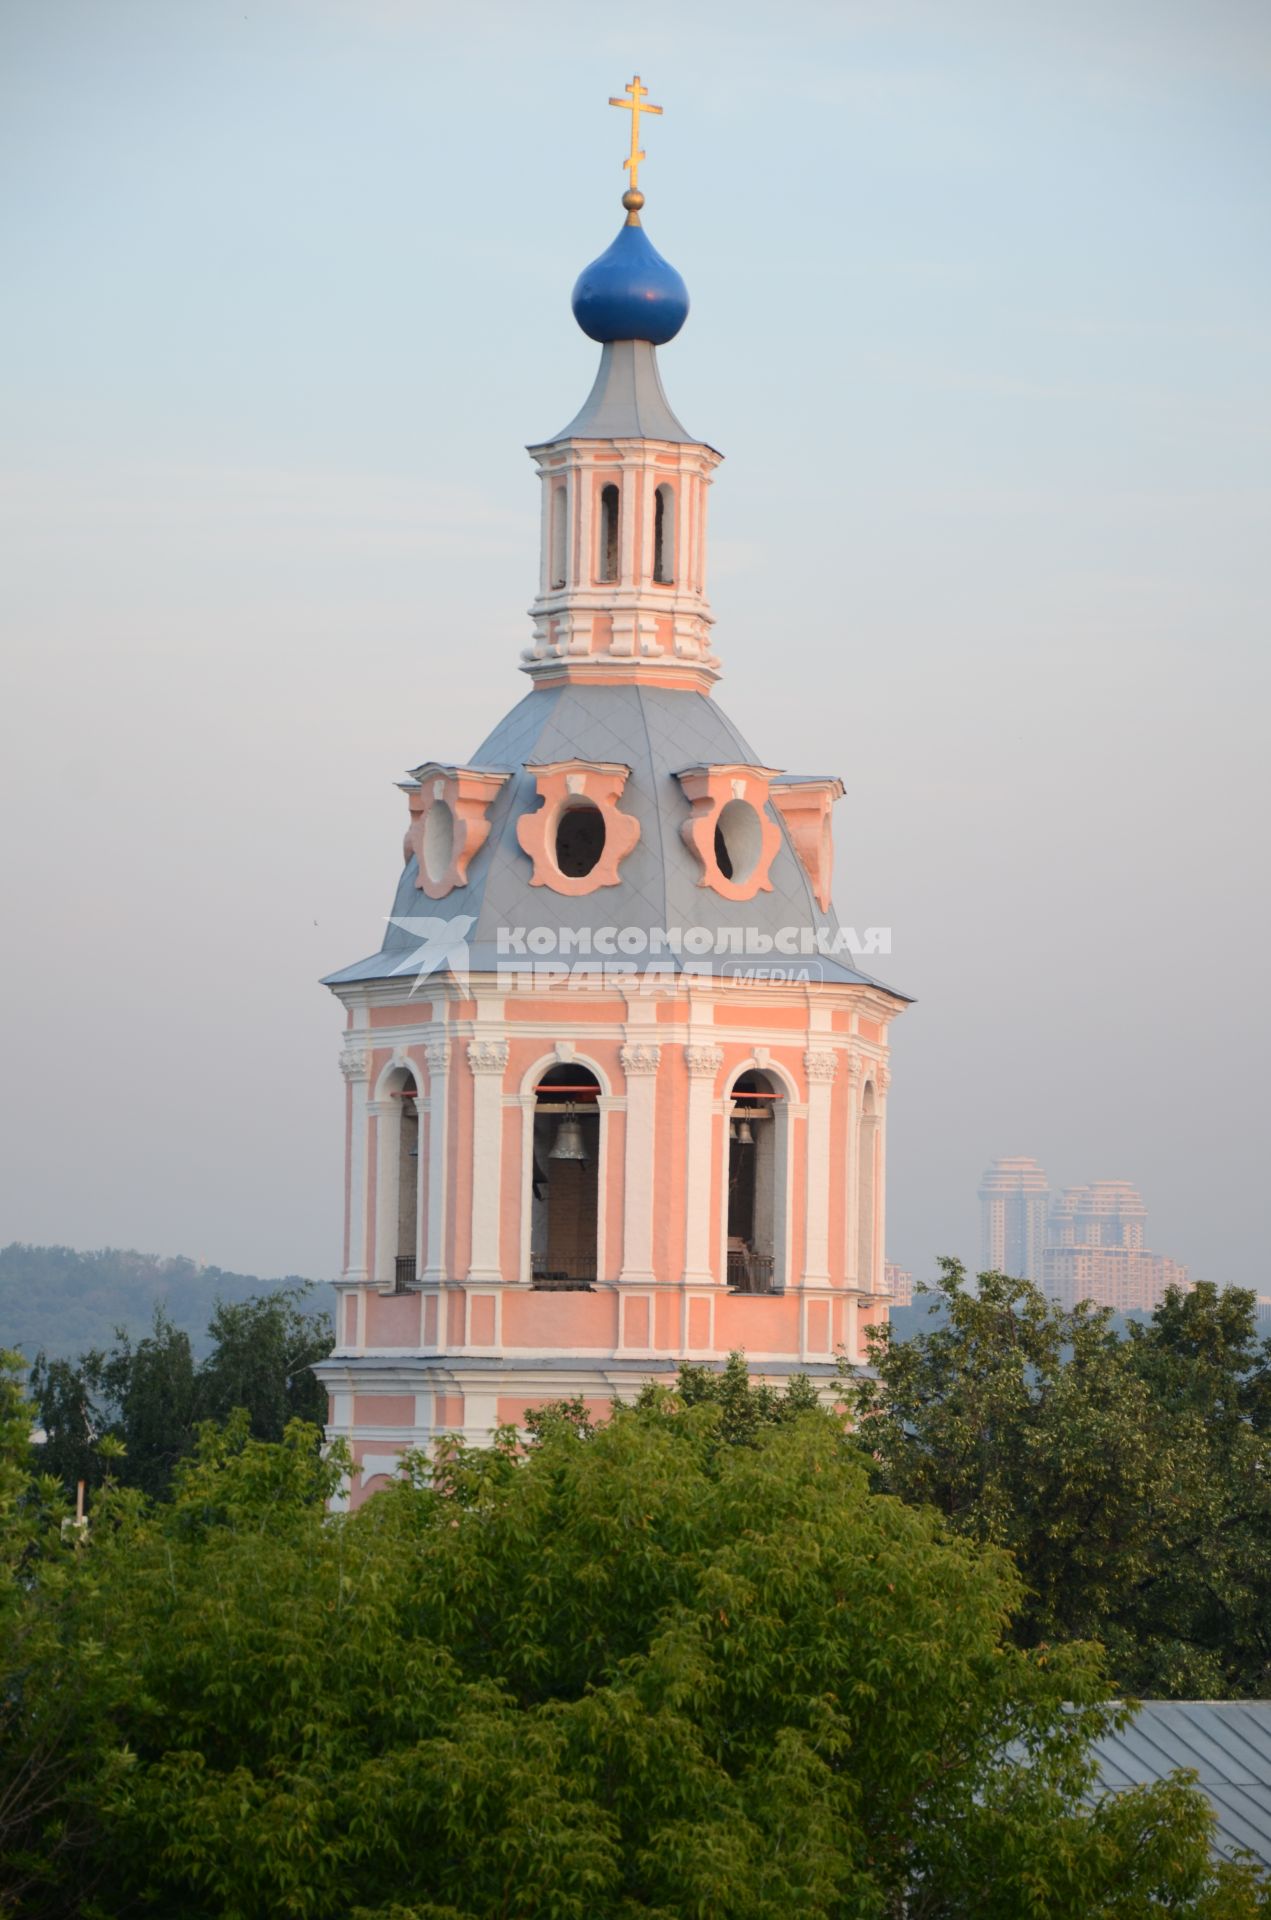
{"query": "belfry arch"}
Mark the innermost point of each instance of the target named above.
(564, 1178)
(756, 1183)
(397, 1214)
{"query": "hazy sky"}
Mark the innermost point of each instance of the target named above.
(981, 319)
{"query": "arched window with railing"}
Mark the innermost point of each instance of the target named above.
(607, 548)
(397, 1181)
(565, 1179)
(757, 1117)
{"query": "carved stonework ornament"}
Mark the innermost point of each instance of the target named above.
(488, 1056)
(355, 1064)
(883, 1078)
(640, 1058)
(703, 1062)
(437, 1055)
(820, 1066)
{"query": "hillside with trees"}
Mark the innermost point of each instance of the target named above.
(61, 1302)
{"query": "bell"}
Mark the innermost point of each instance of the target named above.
(745, 1137)
(568, 1144)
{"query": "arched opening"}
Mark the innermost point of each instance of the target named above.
(559, 529)
(400, 1161)
(438, 841)
(580, 839)
(866, 1183)
(565, 1179)
(755, 1184)
(664, 536)
(607, 556)
(738, 840)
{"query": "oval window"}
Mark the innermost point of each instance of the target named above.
(738, 840)
(439, 841)
(580, 839)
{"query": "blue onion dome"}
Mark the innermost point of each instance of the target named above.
(630, 292)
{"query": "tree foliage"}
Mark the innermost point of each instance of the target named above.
(1130, 1479)
(684, 1664)
(149, 1395)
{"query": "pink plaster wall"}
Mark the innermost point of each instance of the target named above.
(454, 1316)
(392, 1319)
(635, 1321)
(513, 1407)
(759, 1324)
(568, 1321)
(384, 1409)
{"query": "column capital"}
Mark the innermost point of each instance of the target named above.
(355, 1063)
(640, 1058)
(436, 1055)
(703, 1062)
(488, 1056)
(854, 1068)
(820, 1066)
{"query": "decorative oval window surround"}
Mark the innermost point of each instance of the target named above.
(729, 829)
(449, 822)
(577, 838)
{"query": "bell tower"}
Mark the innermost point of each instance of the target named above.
(616, 1089)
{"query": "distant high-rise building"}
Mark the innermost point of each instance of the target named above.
(1014, 1204)
(899, 1284)
(1095, 1251)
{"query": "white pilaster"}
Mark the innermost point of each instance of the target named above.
(355, 1065)
(437, 1057)
(851, 1224)
(820, 1066)
(704, 1064)
(640, 1065)
(877, 1278)
(488, 1061)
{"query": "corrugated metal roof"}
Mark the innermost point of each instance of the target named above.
(1226, 1743)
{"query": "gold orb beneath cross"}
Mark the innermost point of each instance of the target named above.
(633, 200)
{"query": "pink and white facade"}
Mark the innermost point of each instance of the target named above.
(638, 1114)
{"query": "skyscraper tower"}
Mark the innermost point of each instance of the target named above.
(1014, 1203)
(616, 1095)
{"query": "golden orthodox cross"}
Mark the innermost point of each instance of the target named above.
(635, 105)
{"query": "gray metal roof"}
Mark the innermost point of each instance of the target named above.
(627, 401)
(654, 731)
(1228, 1745)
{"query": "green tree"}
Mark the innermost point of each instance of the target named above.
(75, 1409)
(149, 1396)
(1129, 1479)
(631, 1671)
(262, 1358)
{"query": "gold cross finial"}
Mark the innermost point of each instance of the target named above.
(635, 104)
